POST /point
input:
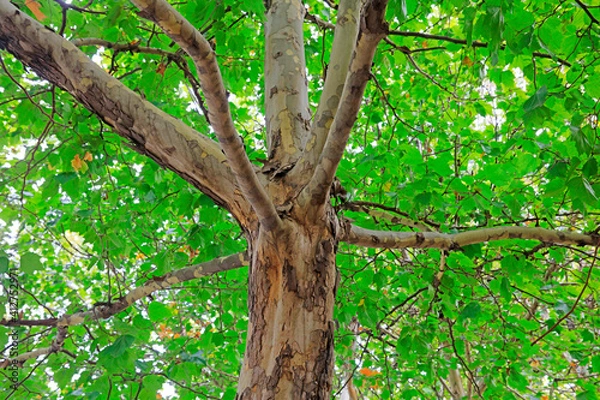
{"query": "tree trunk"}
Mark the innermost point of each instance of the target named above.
(289, 350)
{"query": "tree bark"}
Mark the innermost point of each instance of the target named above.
(289, 350)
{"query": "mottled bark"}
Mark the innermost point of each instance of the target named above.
(286, 89)
(372, 29)
(289, 352)
(344, 42)
(452, 241)
(191, 40)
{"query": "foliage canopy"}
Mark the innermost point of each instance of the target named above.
(476, 115)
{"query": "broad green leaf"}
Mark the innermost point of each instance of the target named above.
(120, 345)
(537, 100)
(158, 311)
(471, 311)
(580, 188)
(30, 263)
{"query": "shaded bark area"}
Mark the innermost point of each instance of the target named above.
(289, 350)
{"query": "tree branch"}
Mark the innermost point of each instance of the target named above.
(122, 47)
(55, 347)
(373, 28)
(452, 241)
(104, 311)
(344, 42)
(107, 310)
(588, 12)
(405, 219)
(134, 47)
(168, 141)
(191, 40)
(320, 23)
(474, 44)
(449, 39)
(577, 300)
(287, 112)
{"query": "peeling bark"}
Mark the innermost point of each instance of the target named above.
(289, 351)
(447, 241)
(372, 30)
(205, 59)
(344, 41)
(286, 89)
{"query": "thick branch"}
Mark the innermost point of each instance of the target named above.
(55, 347)
(372, 30)
(157, 283)
(344, 42)
(168, 141)
(192, 41)
(453, 241)
(134, 47)
(286, 92)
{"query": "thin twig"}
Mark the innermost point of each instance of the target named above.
(585, 286)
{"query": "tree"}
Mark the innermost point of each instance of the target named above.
(413, 187)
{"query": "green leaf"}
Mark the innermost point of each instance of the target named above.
(142, 323)
(592, 85)
(581, 140)
(30, 263)
(469, 14)
(3, 264)
(516, 379)
(506, 289)
(471, 311)
(587, 395)
(537, 100)
(580, 188)
(590, 168)
(229, 394)
(151, 384)
(596, 363)
(120, 345)
(158, 311)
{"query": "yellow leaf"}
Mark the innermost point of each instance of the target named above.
(77, 163)
(387, 186)
(368, 372)
(467, 61)
(88, 156)
(162, 67)
(361, 302)
(34, 7)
